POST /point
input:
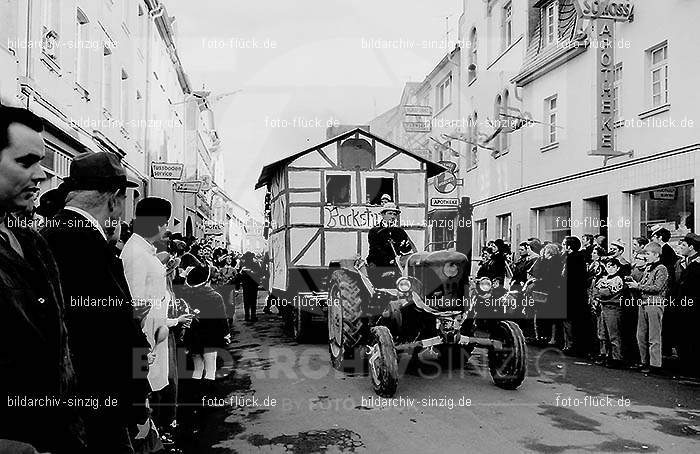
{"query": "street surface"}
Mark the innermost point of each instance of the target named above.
(564, 405)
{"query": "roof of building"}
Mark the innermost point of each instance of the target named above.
(269, 170)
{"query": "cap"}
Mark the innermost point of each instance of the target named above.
(692, 239)
(390, 206)
(100, 170)
(618, 243)
(385, 197)
(153, 207)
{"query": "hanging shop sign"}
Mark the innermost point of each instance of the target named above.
(190, 187)
(444, 202)
(417, 126)
(213, 228)
(167, 170)
(604, 139)
(447, 181)
(420, 111)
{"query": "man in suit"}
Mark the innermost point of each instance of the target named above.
(106, 341)
(34, 356)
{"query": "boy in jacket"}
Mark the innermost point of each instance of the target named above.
(653, 287)
(607, 293)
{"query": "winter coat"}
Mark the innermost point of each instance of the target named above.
(35, 358)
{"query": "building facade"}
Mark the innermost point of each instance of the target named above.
(572, 170)
(106, 77)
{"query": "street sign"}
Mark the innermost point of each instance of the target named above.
(213, 229)
(167, 170)
(417, 126)
(421, 111)
(444, 202)
(190, 187)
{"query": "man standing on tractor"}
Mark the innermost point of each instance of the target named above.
(387, 240)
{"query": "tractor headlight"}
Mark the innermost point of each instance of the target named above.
(403, 284)
(485, 285)
(450, 269)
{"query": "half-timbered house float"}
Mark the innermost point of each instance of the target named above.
(323, 201)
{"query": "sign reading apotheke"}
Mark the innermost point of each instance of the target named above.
(607, 9)
(444, 202)
(167, 170)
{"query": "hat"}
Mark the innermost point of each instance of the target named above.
(153, 207)
(386, 197)
(390, 206)
(692, 240)
(100, 170)
(618, 243)
(198, 275)
(51, 202)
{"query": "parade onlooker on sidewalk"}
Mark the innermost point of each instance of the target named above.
(147, 276)
(208, 333)
(547, 272)
(578, 321)
(617, 249)
(688, 297)
(653, 287)
(607, 293)
(249, 278)
(105, 339)
(661, 236)
(34, 352)
(587, 245)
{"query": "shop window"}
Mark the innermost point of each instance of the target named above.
(442, 231)
(671, 207)
(376, 187)
(554, 223)
(338, 189)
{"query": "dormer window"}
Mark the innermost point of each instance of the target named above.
(551, 22)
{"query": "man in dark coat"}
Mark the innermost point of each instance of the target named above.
(249, 278)
(577, 323)
(34, 355)
(108, 346)
(688, 303)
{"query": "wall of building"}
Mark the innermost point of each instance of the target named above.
(531, 176)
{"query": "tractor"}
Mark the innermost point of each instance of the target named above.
(428, 309)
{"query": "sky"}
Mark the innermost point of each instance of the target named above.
(303, 65)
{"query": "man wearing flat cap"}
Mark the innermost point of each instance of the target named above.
(107, 343)
(385, 238)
